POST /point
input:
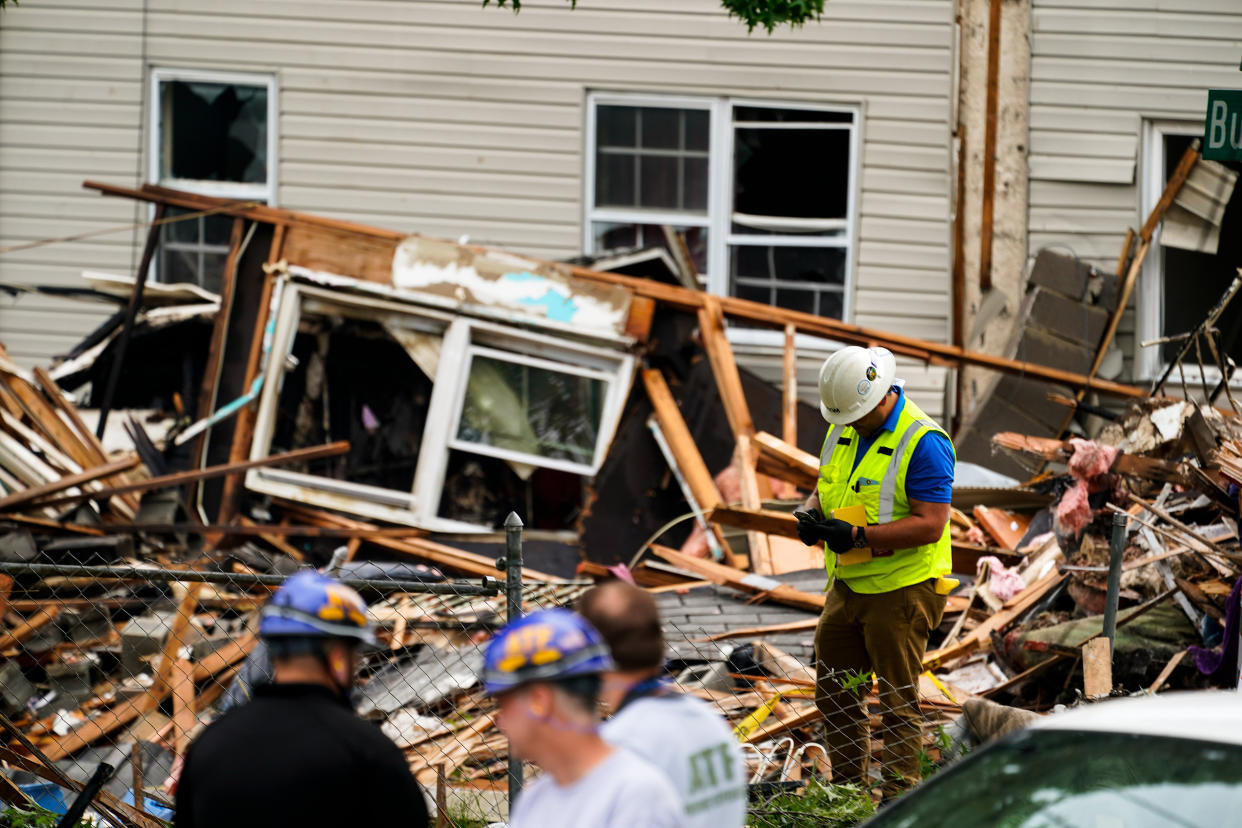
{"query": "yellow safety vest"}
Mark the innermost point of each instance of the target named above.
(879, 483)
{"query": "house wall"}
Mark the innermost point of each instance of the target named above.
(448, 119)
(1099, 68)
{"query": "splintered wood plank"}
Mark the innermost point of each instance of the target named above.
(752, 583)
(724, 368)
(1005, 527)
(785, 461)
(760, 550)
(638, 320)
(681, 443)
(768, 521)
(25, 496)
(1166, 672)
(85, 434)
(184, 717)
(1097, 668)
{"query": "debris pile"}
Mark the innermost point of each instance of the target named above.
(401, 396)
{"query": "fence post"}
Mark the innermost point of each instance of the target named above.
(1116, 548)
(512, 565)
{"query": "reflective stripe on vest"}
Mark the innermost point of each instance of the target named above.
(888, 486)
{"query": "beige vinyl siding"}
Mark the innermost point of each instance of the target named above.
(71, 83)
(1098, 69)
(448, 119)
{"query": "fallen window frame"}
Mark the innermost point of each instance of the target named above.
(461, 335)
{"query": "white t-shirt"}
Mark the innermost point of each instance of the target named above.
(623, 791)
(690, 742)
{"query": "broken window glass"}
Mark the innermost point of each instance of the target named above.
(534, 411)
(212, 138)
(214, 132)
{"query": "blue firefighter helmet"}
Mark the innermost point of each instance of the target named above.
(544, 646)
(313, 605)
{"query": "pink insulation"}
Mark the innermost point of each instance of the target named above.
(1004, 582)
(1074, 512)
(1091, 459)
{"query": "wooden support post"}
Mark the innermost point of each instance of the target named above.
(760, 548)
(184, 717)
(677, 433)
(789, 425)
(989, 147)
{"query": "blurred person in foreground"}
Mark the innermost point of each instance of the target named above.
(682, 735)
(297, 754)
(544, 671)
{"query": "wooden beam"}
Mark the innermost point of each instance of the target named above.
(754, 584)
(28, 627)
(768, 521)
(789, 419)
(681, 443)
(785, 461)
(33, 493)
(752, 313)
(724, 367)
(1097, 668)
(760, 549)
(56, 396)
(215, 344)
(992, 106)
(180, 478)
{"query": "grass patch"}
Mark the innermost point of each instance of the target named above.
(817, 806)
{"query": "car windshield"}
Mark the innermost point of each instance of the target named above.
(1070, 779)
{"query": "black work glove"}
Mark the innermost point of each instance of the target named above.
(807, 523)
(838, 534)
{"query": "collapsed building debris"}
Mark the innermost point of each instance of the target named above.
(402, 395)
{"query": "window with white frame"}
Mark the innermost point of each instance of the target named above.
(763, 192)
(1183, 277)
(214, 134)
(524, 424)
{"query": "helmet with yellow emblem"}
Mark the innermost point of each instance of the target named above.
(547, 645)
(313, 605)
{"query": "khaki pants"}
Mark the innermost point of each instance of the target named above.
(885, 632)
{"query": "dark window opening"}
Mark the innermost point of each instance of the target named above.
(1193, 282)
(354, 382)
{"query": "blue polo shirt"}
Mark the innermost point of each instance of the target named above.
(929, 477)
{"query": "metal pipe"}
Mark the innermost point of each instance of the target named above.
(511, 563)
(487, 586)
(1116, 548)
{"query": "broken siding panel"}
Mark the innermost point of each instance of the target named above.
(1097, 68)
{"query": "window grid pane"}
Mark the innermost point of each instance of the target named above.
(658, 163)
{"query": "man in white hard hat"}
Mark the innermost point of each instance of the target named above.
(889, 466)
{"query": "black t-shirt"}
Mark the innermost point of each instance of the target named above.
(296, 755)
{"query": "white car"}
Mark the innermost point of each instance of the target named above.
(1172, 760)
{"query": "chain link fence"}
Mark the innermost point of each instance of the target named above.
(122, 666)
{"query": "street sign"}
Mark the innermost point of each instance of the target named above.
(1222, 129)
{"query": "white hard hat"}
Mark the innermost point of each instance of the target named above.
(853, 381)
